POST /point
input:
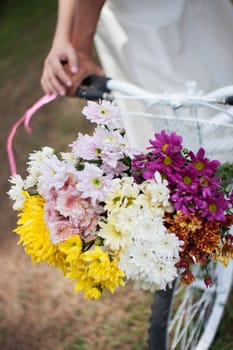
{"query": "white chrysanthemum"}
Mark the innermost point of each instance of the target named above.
(156, 193)
(151, 255)
(35, 161)
(141, 263)
(136, 261)
(163, 274)
(104, 113)
(123, 191)
(153, 286)
(129, 188)
(16, 191)
(150, 228)
(167, 245)
(31, 179)
(40, 155)
(113, 236)
(128, 223)
(139, 222)
(69, 157)
(127, 219)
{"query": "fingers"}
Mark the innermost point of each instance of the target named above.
(55, 77)
(51, 84)
(86, 68)
(57, 71)
(72, 60)
(63, 79)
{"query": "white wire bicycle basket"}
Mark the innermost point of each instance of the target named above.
(213, 135)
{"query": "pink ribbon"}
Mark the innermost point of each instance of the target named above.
(26, 120)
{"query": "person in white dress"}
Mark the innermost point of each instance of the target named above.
(156, 44)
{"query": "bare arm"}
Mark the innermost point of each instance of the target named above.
(84, 25)
(83, 30)
(65, 16)
(72, 42)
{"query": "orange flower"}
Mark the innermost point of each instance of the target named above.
(187, 277)
(226, 252)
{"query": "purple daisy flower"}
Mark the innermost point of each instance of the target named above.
(184, 201)
(203, 164)
(187, 179)
(139, 164)
(209, 186)
(215, 208)
(165, 164)
(166, 144)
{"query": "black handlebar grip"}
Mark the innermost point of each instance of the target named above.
(229, 100)
(93, 87)
(90, 93)
(98, 81)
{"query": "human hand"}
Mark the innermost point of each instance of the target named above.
(86, 67)
(55, 79)
(64, 70)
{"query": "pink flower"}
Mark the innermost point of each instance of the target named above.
(54, 174)
(104, 112)
(69, 214)
(86, 147)
(92, 183)
(106, 147)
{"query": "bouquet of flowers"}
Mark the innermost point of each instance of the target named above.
(105, 215)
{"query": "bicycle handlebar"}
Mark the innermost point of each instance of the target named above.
(99, 87)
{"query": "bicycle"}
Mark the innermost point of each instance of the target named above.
(183, 318)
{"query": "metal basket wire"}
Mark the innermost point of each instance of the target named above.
(215, 135)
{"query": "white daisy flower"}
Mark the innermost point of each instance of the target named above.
(16, 191)
(36, 159)
(157, 193)
(113, 236)
(69, 157)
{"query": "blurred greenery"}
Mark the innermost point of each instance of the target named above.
(26, 29)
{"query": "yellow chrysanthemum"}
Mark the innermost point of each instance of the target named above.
(94, 272)
(72, 248)
(34, 234)
(93, 293)
(87, 285)
(116, 277)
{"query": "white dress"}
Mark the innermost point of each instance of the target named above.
(162, 44)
